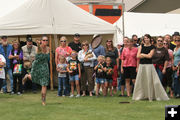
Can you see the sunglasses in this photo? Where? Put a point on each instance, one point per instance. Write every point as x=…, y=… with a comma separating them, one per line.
x=73, y=54
x=109, y=41
x=160, y=41
x=63, y=41
x=165, y=43
x=44, y=40
x=177, y=40
x=85, y=45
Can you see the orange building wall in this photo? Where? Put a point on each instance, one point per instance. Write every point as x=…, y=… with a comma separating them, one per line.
x=110, y=19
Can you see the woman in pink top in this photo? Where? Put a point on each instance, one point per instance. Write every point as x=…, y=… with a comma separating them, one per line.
x=129, y=64
x=62, y=50
x=167, y=79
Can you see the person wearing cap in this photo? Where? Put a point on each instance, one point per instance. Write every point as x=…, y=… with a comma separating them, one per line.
x=75, y=45
x=29, y=52
x=5, y=50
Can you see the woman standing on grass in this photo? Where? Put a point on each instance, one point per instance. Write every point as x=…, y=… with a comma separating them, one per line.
x=148, y=85
x=40, y=69
x=129, y=63
x=112, y=52
x=168, y=77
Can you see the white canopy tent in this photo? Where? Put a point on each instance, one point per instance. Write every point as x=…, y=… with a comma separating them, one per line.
x=52, y=17
x=151, y=23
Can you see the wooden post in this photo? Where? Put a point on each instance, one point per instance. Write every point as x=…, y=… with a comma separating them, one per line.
x=51, y=66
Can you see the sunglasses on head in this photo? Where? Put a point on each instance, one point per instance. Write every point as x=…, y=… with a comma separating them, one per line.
x=73, y=54
x=63, y=41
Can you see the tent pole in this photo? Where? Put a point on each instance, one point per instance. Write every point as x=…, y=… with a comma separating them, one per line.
x=51, y=66
x=123, y=18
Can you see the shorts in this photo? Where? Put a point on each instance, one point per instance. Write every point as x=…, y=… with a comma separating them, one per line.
x=100, y=80
x=109, y=80
x=73, y=78
x=129, y=72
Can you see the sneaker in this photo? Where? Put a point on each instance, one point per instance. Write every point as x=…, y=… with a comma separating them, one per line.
x=19, y=93
x=78, y=95
x=71, y=96
x=12, y=93
x=63, y=95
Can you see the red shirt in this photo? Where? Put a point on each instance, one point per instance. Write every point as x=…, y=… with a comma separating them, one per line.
x=129, y=56
x=63, y=52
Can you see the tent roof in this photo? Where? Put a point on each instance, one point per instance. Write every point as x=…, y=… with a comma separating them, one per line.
x=52, y=17
x=143, y=23
x=177, y=11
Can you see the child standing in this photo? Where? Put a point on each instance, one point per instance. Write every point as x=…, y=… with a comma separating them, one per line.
x=62, y=69
x=2, y=71
x=108, y=69
x=100, y=80
x=74, y=73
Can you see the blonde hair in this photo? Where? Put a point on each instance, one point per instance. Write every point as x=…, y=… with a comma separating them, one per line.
x=101, y=57
x=63, y=38
x=62, y=58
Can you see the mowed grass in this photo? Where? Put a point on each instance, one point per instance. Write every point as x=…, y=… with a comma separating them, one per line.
x=28, y=107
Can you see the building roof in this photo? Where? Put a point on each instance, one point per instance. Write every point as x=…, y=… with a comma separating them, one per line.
x=129, y=4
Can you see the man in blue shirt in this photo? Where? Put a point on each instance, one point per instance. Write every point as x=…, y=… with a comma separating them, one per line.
x=5, y=50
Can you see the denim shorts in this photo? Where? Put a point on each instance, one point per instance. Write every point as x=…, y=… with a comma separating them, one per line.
x=109, y=80
x=73, y=78
x=100, y=80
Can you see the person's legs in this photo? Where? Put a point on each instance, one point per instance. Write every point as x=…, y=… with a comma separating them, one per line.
x=97, y=89
x=114, y=76
x=106, y=88
x=43, y=93
x=83, y=82
x=59, y=86
x=90, y=80
x=110, y=88
x=14, y=84
x=1, y=83
x=20, y=84
x=77, y=84
x=72, y=87
x=122, y=85
x=9, y=71
x=64, y=86
x=159, y=74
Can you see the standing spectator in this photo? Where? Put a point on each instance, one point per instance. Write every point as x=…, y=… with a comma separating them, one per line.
x=160, y=58
x=29, y=52
x=2, y=71
x=168, y=76
x=129, y=65
x=108, y=69
x=40, y=69
x=75, y=45
x=176, y=59
x=168, y=38
x=62, y=70
x=16, y=57
x=5, y=50
x=119, y=48
x=74, y=73
x=63, y=50
x=148, y=85
x=100, y=76
x=125, y=45
x=87, y=57
x=97, y=48
x=135, y=40
x=112, y=52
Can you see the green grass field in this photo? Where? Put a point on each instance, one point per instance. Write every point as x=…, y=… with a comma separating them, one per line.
x=28, y=107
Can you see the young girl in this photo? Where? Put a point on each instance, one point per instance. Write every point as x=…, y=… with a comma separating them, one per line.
x=108, y=69
x=74, y=73
x=62, y=69
x=100, y=74
x=2, y=71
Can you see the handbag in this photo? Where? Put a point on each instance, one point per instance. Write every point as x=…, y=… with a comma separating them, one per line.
x=17, y=70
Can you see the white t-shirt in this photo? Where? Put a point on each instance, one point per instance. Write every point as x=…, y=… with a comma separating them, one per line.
x=2, y=71
x=63, y=68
